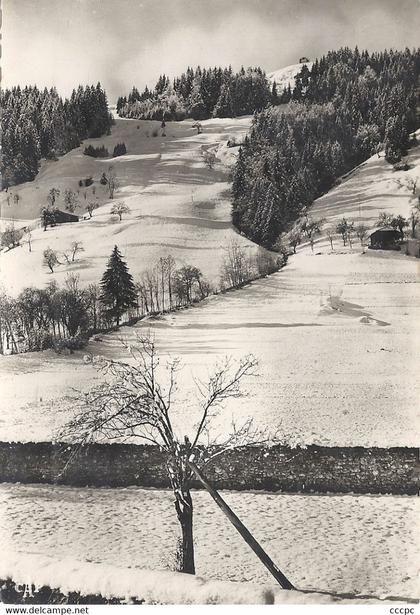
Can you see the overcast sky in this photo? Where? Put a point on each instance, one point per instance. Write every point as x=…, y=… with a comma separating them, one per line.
x=126, y=42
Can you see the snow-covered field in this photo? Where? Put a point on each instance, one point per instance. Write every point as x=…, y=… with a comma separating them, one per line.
x=355, y=544
x=346, y=376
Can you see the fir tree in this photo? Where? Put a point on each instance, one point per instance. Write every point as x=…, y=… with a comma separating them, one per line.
x=118, y=289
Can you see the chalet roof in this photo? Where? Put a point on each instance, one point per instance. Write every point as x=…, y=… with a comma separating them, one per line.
x=383, y=229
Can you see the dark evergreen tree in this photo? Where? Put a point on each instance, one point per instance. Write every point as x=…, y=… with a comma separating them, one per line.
x=345, y=108
x=118, y=292
x=39, y=124
x=200, y=94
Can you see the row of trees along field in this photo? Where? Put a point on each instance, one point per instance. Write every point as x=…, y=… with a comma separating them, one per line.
x=201, y=94
x=64, y=317
x=40, y=124
x=349, y=106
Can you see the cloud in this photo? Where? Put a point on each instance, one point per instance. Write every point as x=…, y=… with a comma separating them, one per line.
x=126, y=42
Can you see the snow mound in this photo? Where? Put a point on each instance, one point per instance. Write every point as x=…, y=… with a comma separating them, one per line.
x=286, y=76
x=151, y=586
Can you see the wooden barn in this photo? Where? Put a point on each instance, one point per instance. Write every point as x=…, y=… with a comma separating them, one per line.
x=64, y=216
x=385, y=239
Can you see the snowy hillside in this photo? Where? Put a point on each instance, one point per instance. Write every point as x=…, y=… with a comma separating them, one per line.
x=349, y=319
x=286, y=76
x=178, y=205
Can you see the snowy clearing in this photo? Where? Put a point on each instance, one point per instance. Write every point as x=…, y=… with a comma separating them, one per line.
x=355, y=544
x=286, y=76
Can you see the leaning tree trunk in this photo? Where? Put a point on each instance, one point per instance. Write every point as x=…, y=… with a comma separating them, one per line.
x=184, y=511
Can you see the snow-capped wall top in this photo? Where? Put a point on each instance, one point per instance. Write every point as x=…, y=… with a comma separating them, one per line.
x=286, y=76
x=152, y=586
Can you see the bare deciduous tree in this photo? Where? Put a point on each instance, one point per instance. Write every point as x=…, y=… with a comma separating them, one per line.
x=51, y=259
x=169, y=269
x=294, y=237
x=188, y=282
x=311, y=228
x=342, y=228
x=120, y=208
x=330, y=232
x=67, y=256
x=111, y=181
x=76, y=247
x=11, y=236
x=28, y=234
x=134, y=402
x=209, y=159
x=414, y=220
x=361, y=232
x=90, y=208
x=408, y=182
x=93, y=304
x=385, y=219
x=71, y=200
x=236, y=266
x=53, y=195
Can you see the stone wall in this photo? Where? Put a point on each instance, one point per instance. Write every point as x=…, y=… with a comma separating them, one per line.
x=312, y=469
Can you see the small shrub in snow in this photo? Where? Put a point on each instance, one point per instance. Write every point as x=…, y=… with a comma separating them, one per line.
x=401, y=166
x=209, y=159
x=70, y=344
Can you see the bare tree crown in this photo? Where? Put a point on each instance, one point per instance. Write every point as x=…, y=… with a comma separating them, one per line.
x=132, y=403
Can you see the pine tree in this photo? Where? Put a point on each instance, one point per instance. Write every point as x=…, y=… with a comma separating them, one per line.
x=274, y=94
x=224, y=105
x=196, y=107
x=118, y=290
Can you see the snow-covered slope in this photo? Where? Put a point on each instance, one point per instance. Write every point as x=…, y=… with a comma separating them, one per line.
x=178, y=206
x=286, y=76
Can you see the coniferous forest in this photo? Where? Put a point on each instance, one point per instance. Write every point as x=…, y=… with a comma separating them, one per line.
x=201, y=94
x=350, y=105
x=40, y=124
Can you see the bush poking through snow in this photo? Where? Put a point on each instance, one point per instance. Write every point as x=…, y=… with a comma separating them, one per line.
x=209, y=159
